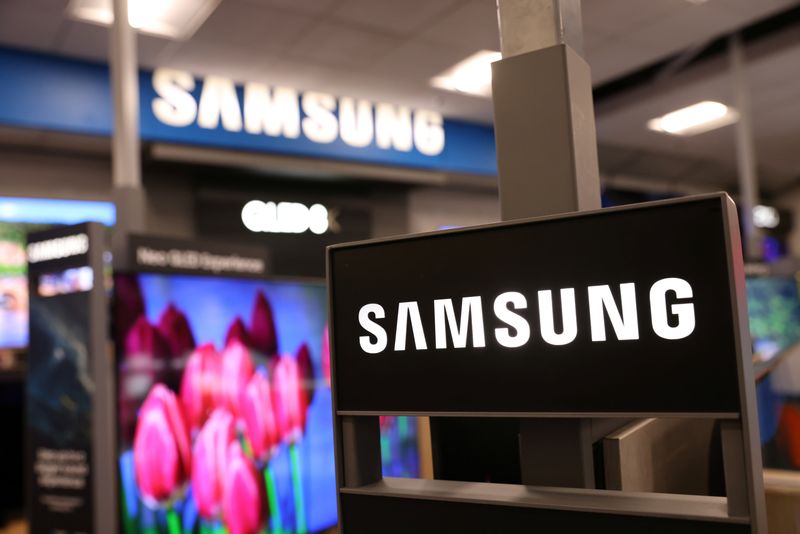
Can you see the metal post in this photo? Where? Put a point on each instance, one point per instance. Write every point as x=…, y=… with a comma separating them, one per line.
x=544, y=114
x=745, y=150
x=547, y=160
x=125, y=149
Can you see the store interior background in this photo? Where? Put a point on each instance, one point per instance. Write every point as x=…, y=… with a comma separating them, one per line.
x=647, y=58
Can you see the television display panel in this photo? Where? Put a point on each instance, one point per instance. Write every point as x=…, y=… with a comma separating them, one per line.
x=224, y=405
x=774, y=316
x=14, y=284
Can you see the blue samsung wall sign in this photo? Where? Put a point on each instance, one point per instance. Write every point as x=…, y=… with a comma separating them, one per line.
x=45, y=92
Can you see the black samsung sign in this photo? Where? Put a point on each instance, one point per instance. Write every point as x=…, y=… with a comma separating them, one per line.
x=625, y=311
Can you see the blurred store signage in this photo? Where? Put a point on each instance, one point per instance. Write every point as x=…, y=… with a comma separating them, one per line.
x=67, y=95
x=58, y=248
x=160, y=254
x=281, y=111
x=286, y=217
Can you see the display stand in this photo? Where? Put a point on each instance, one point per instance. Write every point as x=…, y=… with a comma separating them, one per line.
x=70, y=401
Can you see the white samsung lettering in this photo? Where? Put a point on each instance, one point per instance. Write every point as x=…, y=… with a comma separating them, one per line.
x=58, y=248
x=355, y=122
x=625, y=324
x=514, y=320
x=273, y=112
x=393, y=127
x=569, y=329
x=218, y=100
x=670, y=321
x=283, y=112
x=175, y=105
x=409, y=311
x=684, y=311
x=320, y=124
x=471, y=320
x=367, y=345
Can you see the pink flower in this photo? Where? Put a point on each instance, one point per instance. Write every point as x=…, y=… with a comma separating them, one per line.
x=289, y=399
x=237, y=368
x=244, y=503
x=261, y=427
x=210, y=459
x=201, y=386
x=174, y=326
x=161, y=450
x=144, y=340
x=262, y=327
x=306, y=367
x=326, y=356
x=238, y=332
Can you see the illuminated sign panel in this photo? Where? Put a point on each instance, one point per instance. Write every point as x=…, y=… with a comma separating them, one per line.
x=283, y=112
x=626, y=310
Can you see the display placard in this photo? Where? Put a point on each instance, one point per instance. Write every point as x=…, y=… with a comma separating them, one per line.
x=68, y=386
x=619, y=311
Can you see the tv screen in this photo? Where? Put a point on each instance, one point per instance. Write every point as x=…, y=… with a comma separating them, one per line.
x=14, y=284
x=224, y=407
x=774, y=313
x=774, y=316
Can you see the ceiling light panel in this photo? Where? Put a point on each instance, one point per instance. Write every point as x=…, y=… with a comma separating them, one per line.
x=472, y=76
x=171, y=19
x=695, y=119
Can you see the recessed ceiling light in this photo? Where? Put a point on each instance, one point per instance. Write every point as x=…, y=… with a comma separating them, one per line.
x=472, y=76
x=172, y=19
x=694, y=119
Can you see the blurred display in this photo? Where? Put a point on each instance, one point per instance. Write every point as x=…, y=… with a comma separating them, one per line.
x=774, y=313
x=225, y=415
x=14, y=284
x=18, y=217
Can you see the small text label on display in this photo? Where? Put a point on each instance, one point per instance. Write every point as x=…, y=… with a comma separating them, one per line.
x=284, y=112
x=58, y=248
x=287, y=217
x=672, y=316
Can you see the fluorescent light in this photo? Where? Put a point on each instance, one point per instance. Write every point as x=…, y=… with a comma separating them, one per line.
x=472, y=76
x=695, y=119
x=56, y=211
x=766, y=217
x=172, y=19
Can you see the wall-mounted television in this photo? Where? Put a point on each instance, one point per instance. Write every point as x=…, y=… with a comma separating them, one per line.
x=224, y=406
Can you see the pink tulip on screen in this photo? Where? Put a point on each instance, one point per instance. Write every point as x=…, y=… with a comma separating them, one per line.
x=210, y=460
x=143, y=339
x=174, y=326
x=261, y=427
x=244, y=502
x=201, y=385
x=161, y=447
x=289, y=399
x=237, y=368
x=262, y=327
x=326, y=356
x=238, y=332
x=306, y=366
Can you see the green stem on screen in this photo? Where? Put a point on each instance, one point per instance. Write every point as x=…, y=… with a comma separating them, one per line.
x=297, y=486
x=173, y=522
x=130, y=524
x=272, y=496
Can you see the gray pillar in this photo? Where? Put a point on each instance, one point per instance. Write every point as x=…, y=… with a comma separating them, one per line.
x=127, y=193
x=547, y=162
x=543, y=109
x=745, y=151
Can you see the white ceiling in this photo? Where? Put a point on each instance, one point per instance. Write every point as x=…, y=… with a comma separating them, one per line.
x=389, y=49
